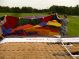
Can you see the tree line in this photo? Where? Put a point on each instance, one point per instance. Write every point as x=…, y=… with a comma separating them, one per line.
x=59, y=9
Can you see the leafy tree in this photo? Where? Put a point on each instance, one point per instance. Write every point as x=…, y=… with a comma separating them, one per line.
x=59, y=9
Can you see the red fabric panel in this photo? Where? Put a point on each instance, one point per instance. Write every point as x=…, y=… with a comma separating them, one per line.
x=22, y=27
x=48, y=18
x=11, y=22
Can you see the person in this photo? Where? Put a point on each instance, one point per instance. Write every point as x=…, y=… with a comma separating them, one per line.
x=55, y=17
x=64, y=21
x=1, y=24
x=63, y=28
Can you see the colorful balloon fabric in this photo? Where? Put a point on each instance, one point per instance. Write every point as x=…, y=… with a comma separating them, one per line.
x=11, y=22
x=30, y=25
x=54, y=23
x=22, y=27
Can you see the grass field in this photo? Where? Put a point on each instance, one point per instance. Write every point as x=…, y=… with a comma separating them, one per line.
x=23, y=14
x=73, y=25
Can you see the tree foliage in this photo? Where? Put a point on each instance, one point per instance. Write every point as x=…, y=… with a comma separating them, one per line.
x=59, y=9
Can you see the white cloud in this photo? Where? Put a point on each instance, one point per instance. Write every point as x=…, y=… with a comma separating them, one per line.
x=38, y=3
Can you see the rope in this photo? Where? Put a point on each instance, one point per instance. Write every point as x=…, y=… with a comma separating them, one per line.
x=67, y=49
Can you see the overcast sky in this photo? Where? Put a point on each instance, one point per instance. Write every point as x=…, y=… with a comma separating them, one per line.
x=39, y=4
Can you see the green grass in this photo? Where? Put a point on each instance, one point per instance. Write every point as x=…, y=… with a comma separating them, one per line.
x=23, y=14
x=73, y=25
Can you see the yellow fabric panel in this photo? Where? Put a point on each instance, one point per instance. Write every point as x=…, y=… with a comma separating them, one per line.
x=54, y=23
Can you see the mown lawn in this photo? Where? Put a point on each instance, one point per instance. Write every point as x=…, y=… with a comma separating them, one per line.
x=73, y=25
x=23, y=14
